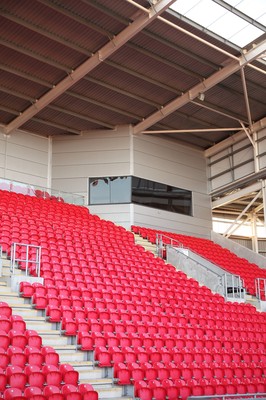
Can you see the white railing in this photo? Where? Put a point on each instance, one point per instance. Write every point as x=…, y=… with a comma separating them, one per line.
x=41, y=192
x=28, y=256
x=232, y=287
x=260, y=284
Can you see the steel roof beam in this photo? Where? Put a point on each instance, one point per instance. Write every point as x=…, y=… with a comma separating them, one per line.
x=44, y=32
x=67, y=129
x=39, y=57
x=24, y=75
x=49, y=123
x=81, y=116
x=232, y=67
x=106, y=51
x=76, y=47
x=231, y=198
x=106, y=106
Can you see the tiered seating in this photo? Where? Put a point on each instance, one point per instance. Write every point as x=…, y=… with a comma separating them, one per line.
x=213, y=252
x=30, y=370
x=158, y=329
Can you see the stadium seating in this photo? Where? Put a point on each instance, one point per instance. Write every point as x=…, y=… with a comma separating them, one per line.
x=158, y=329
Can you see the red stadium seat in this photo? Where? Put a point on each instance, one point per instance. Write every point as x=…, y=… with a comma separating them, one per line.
x=71, y=392
x=3, y=380
x=52, y=374
x=16, y=377
x=5, y=309
x=5, y=323
x=52, y=393
x=16, y=356
x=88, y=392
x=4, y=340
x=69, y=375
x=143, y=391
x=122, y=374
x=35, y=376
x=33, y=393
x=13, y=394
x=17, y=339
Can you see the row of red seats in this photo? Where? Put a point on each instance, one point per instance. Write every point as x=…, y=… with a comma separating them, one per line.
x=133, y=371
x=51, y=392
x=32, y=375
x=195, y=345
x=29, y=355
x=114, y=354
x=12, y=322
x=96, y=288
x=178, y=389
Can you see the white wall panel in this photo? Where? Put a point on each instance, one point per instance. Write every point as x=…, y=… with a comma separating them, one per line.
x=120, y=214
x=243, y=155
x=244, y=170
x=165, y=161
x=232, y=163
x=221, y=180
x=262, y=162
x=185, y=167
x=220, y=167
x=171, y=222
x=24, y=158
x=98, y=153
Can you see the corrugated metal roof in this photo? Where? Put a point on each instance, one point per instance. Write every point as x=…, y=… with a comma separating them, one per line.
x=43, y=42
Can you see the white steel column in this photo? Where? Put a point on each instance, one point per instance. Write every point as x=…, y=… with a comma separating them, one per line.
x=254, y=237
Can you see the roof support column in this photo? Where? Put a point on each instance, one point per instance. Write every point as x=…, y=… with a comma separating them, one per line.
x=254, y=237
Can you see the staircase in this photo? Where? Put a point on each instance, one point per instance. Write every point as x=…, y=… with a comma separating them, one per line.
x=82, y=361
x=145, y=243
x=152, y=248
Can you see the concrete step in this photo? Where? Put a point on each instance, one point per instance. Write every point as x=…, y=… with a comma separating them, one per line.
x=87, y=370
x=69, y=357
x=6, y=262
x=106, y=389
x=12, y=298
x=87, y=367
x=54, y=339
x=6, y=271
x=145, y=243
x=28, y=313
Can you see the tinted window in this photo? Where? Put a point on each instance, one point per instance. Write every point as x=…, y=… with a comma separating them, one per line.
x=127, y=189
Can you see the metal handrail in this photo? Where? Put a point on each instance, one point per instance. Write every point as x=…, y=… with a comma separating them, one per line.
x=223, y=278
x=27, y=260
x=260, y=291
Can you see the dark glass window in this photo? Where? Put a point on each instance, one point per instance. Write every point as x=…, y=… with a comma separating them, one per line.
x=110, y=190
x=161, y=196
x=127, y=189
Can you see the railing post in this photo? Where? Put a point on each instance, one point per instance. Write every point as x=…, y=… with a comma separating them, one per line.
x=35, y=261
